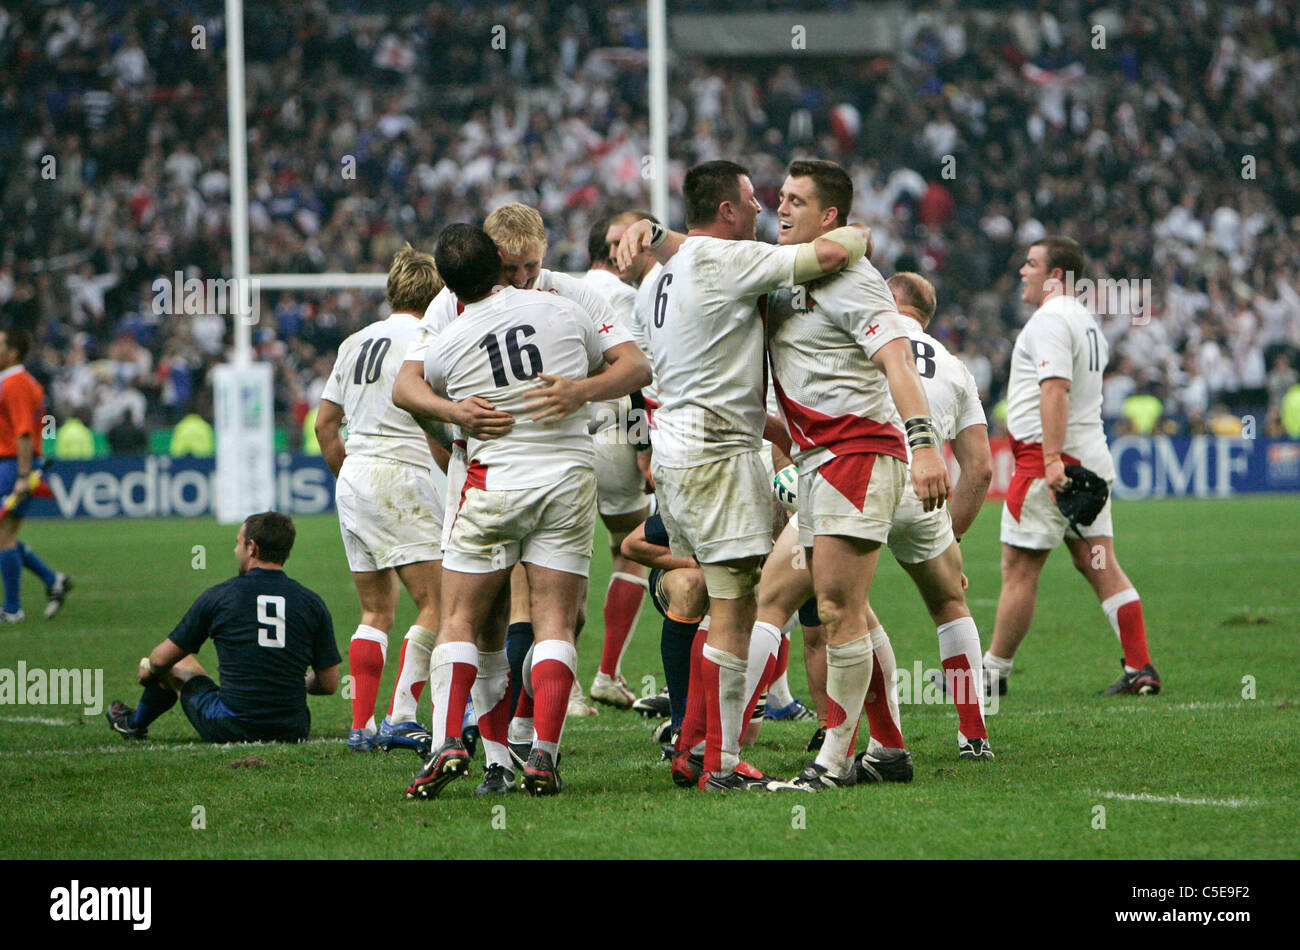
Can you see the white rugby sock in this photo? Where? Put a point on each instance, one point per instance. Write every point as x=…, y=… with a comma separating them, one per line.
x=444, y=675
x=959, y=653
x=848, y=674
x=417, y=649
x=764, y=641
x=488, y=693
x=731, y=707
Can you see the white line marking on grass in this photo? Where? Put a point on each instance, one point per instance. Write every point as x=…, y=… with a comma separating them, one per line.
x=1179, y=800
x=157, y=747
x=37, y=720
x=1142, y=705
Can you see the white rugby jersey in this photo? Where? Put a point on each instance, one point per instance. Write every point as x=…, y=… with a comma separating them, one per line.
x=1062, y=340
x=638, y=324
x=362, y=383
x=495, y=349
x=620, y=297
x=706, y=341
x=444, y=308
x=949, y=386
x=835, y=400
x=622, y=301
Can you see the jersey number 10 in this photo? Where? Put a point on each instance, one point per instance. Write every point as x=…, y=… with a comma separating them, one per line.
x=377, y=350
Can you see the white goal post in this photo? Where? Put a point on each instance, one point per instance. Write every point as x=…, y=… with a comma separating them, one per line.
x=243, y=390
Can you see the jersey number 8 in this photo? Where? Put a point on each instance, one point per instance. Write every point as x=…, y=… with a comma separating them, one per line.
x=924, y=354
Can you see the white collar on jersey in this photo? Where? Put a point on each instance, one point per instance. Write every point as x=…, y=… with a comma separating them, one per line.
x=908, y=318
x=12, y=370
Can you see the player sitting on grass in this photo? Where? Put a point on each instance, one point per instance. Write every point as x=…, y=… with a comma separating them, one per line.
x=267, y=629
x=678, y=592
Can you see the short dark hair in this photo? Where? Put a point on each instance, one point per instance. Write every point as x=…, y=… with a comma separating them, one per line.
x=17, y=338
x=273, y=533
x=707, y=185
x=832, y=183
x=597, y=249
x=629, y=216
x=1063, y=252
x=468, y=261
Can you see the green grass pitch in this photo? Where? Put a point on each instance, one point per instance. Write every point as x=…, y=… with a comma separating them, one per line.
x=1200, y=771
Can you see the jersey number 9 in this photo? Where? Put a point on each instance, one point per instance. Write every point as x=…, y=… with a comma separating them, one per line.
x=270, y=610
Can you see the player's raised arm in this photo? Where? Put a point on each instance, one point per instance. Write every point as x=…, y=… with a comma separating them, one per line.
x=829, y=254
x=929, y=474
x=646, y=235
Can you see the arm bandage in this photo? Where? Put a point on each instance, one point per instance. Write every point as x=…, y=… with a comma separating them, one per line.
x=806, y=265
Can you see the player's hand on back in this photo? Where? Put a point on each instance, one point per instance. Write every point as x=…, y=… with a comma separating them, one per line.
x=557, y=398
x=481, y=420
x=930, y=478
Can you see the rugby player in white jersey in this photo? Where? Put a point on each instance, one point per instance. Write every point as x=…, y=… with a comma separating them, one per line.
x=520, y=236
x=925, y=542
x=528, y=496
x=1054, y=419
x=618, y=428
x=389, y=510
x=844, y=373
x=714, y=491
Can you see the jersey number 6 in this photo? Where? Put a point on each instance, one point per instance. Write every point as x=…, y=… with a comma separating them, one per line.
x=661, y=300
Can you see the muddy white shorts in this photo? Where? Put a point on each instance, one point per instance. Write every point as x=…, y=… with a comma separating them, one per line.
x=719, y=511
x=551, y=526
x=851, y=496
x=389, y=513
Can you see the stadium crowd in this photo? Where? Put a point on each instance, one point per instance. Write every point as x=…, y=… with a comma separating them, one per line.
x=1168, y=143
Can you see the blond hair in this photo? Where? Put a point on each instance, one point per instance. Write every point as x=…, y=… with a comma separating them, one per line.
x=516, y=229
x=413, y=281
x=914, y=291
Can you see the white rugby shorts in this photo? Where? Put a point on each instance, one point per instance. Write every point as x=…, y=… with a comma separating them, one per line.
x=551, y=526
x=389, y=513
x=719, y=511
x=1039, y=525
x=851, y=496
x=619, y=483
x=917, y=535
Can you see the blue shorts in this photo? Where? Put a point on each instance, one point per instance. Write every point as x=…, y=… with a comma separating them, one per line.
x=214, y=722
x=9, y=478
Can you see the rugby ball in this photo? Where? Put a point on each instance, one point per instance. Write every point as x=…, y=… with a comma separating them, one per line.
x=786, y=487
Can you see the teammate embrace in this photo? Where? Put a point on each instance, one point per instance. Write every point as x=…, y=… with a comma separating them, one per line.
x=864, y=399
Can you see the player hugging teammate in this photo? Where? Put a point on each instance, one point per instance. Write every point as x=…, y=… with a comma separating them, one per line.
x=527, y=365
